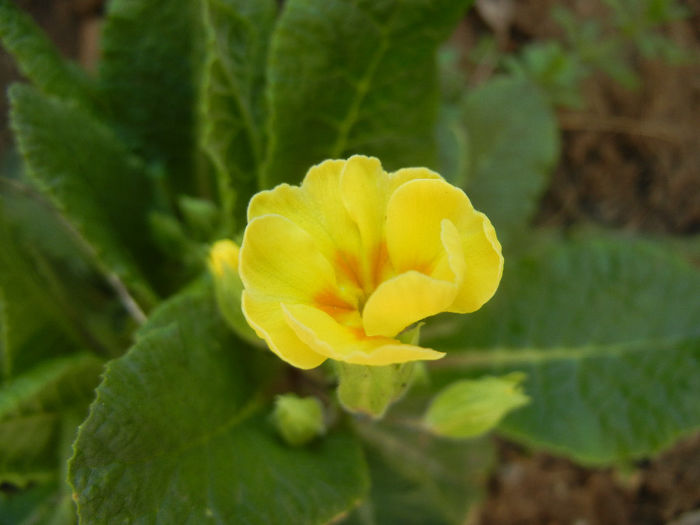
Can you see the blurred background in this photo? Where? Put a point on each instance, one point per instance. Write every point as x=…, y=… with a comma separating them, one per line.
x=624, y=78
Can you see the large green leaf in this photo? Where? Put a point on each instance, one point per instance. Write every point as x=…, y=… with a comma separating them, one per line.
x=418, y=478
x=354, y=77
x=37, y=57
x=149, y=77
x=178, y=431
x=608, y=335
x=238, y=33
x=33, y=407
x=512, y=148
x=90, y=177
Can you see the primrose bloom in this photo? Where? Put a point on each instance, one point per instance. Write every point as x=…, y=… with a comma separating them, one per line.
x=339, y=266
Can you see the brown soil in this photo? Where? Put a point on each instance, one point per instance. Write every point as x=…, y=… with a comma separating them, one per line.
x=629, y=160
x=544, y=490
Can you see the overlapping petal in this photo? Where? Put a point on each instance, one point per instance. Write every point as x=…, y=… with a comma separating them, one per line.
x=266, y=317
x=338, y=266
x=326, y=336
x=280, y=259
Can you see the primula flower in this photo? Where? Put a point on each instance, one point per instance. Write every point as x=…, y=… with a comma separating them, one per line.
x=339, y=266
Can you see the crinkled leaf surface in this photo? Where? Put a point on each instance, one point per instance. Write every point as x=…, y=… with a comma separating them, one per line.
x=90, y=177
x=607, y=334
x=512, y=148
x=37, y=57
x=354, y=77
x=151, y=60
x=179, y=433
x=238, y=32
x=418, y=478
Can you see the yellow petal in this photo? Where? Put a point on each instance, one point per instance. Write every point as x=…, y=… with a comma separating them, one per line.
x=414, y=222
x=327, y=337
x=484, y=266
x=317, y=208
x=405, y=299
x=265, y=316
x=365, y=189
x=404, y=175
x=279, y=259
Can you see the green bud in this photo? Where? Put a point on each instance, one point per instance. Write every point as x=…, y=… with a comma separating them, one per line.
x=471, y=407
x=201, y=215
x=298, y=419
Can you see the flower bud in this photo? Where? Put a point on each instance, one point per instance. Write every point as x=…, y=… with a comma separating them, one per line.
x=298, y=419
x=471, y=407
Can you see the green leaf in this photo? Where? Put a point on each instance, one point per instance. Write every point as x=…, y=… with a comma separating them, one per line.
x=354, y=77
x=37, y=57
x=90, y=177
x=149, y=77
x=470, y=407
x=238, y=32
x=179, y=431
x=513, y=146
x=607, y=334
x=33, y=407
x=34, y=323
x=418, y=478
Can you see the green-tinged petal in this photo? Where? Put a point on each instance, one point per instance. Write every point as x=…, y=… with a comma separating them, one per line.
x=484, y=267
x=265, y=316
x=279, y=259
x=326, y=336
x=405, y=299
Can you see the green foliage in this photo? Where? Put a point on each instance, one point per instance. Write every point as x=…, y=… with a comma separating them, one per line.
x=178, y=430
x=32, y=410
x=37, y=57
x=607, y=334
x=148, y=82
x=238, y=33
x=512, y=147
x=607, y=45
x=418, y=478
x=90, y=177
x=341, y=76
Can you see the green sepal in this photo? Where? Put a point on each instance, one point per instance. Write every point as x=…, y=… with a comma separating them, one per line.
x=369, y=390
x=471, y=407
x=228, y=288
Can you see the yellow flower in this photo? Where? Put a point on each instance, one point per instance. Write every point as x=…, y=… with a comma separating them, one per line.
x=339, y=266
